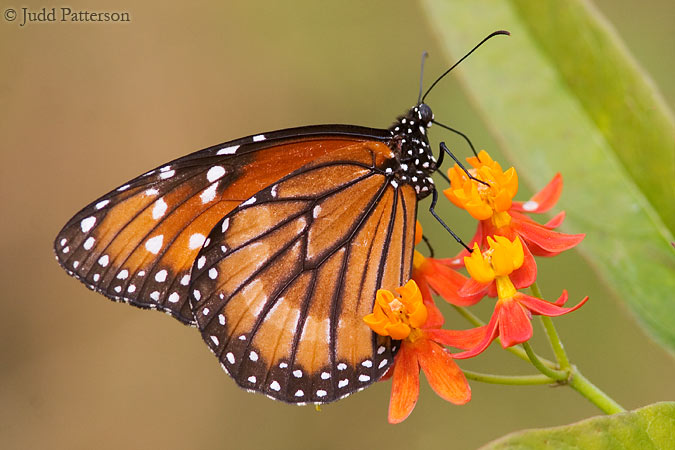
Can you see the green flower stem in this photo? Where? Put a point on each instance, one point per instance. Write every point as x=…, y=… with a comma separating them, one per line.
x=514, y=380
x=557, y=375
x=516, y=350
x=552, y=333
x=468, y=315
x=583, y=386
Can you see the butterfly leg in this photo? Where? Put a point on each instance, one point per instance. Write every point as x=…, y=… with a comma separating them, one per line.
x=445, y=150
x=432, y=210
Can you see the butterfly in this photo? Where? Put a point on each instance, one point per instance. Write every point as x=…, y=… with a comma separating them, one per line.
x=272, y=245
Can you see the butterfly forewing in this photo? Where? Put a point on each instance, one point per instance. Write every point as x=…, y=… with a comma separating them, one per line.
x=139, y=242
x=283, y=282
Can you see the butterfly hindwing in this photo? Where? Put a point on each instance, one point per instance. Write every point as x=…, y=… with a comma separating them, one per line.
x=283, y=282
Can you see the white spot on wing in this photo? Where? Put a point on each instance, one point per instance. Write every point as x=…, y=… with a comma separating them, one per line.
x=227, y=150
x=221, y=319
x=252, y=379
x=154, y=244
x=102, y=204
x=89, y=243
x=250, y=201
x=253, y=356
x=343, y=383
x=226, y=224
x=168, y=174
x=215, y=173
x=325, y=375
x=297, y=373
x=230, y=357
x=209, y=194
x=258, y=138
x=196, y=241
x=299, y=393
x=185, y=280
x=123, y=188
x=150, y=192
x=123, y=274
x=201, y=261
x=160, y=276
x=104, y=260
x=154, y=295
x=159, y=209
x=321, y=393
x=342, y=366
x=275, y=386
x=87, y=224
x=213, y=273
x=364, y=378
x=215, y=340
x=174, y=297
x=382, y=363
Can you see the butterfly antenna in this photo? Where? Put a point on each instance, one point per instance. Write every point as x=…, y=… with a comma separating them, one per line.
x=424, y=57
x=491, y=35
x=473, y=149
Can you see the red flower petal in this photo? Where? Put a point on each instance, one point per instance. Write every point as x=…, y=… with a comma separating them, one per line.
x=435, y=318
x=544, y=308
x=405, y=385
x=550, y=241
x=491, y=331
x=514, y=323
x=543, y=200
x=464, y=339
x=470, y=292
x=443, y=374
x=527, y=273
x=556, y=221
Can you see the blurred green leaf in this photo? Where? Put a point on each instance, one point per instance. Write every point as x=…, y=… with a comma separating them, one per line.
x=563, y=95
x=647, y=428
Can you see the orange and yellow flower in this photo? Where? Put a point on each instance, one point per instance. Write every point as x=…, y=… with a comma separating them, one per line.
x=511, y=317
x=413, y=318
x=492, y=204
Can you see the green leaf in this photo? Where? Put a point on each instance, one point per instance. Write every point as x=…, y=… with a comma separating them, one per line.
x=563, y=95
x=647, y=428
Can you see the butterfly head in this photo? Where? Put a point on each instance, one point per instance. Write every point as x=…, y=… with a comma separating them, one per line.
x=416, y=159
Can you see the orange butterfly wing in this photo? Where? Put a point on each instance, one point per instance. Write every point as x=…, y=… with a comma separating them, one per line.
x=280, y=289
x=138, y=243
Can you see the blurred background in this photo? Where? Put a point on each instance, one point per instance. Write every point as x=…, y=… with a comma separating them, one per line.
x=86, y=106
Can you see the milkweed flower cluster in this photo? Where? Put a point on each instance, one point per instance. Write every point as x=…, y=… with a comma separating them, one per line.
x=501, y=262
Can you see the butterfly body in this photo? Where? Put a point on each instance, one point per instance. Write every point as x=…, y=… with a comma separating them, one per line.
x=272, y=245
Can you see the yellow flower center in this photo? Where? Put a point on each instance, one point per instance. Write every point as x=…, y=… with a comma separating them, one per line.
x=398, y=317
x=491, y=201
x=498, y=261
